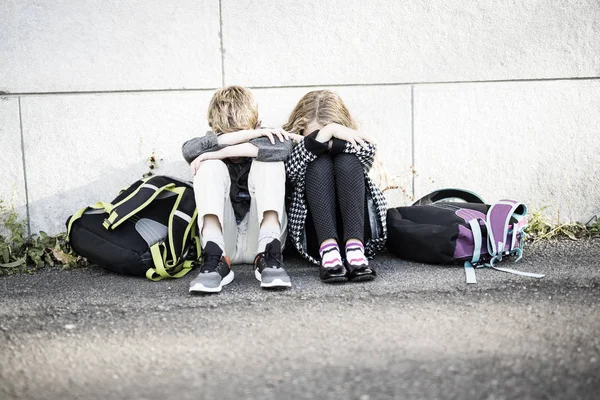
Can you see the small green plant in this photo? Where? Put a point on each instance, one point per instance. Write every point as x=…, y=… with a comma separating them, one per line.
x=20, y=252
x=539, y=229
x=594, y=225
x=537, y=225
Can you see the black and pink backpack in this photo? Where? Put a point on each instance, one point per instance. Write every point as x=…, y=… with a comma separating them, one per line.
x=452, y=226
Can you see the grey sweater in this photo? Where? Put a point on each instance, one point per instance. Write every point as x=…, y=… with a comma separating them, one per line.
x=266, y=151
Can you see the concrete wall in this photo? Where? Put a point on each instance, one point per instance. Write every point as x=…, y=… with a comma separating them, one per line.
x=501, y=97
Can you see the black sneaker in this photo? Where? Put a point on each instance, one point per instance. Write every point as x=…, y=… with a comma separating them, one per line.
x=215, y=271
x=268, y=267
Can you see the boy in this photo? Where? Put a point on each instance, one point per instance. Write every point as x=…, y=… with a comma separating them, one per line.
x=239, y=186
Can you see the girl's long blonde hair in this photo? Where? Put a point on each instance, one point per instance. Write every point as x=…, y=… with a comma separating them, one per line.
x=327, y=107
x=322, y=106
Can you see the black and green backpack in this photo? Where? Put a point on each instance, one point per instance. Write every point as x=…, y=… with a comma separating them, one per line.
x=149, y=230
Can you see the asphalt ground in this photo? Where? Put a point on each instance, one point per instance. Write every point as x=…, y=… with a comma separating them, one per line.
x=416, y=332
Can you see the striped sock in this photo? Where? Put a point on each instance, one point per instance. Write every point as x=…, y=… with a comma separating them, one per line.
x=330, y=255
x=355, y=254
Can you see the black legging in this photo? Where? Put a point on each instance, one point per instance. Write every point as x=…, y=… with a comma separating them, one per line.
x=332, y=181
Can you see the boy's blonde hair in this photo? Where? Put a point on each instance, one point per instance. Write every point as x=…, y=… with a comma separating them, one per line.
x=322, y=106
x=232, y=108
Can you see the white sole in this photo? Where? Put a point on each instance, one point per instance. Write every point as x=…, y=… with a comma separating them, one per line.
x=275, y=283
x=198, y=287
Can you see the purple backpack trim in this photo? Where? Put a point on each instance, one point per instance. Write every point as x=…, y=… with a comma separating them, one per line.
x=503, y=238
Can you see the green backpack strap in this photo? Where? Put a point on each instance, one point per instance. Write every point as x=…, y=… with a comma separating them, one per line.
x=98, y=206
x=160, y=271
x=101, y=205
x=170, y=257
x=146, y=191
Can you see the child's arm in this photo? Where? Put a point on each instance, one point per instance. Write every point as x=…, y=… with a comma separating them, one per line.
x=271, y=152
x=355, y=137
x=270, y=148
x=244, y=136
x=347, y=140
x=195, y=147
x=237, y=150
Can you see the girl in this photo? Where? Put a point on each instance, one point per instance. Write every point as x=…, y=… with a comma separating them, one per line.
x=334, y=202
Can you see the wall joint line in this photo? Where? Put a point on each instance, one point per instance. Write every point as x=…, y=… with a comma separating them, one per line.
x=221, y=40
x=412, y=135
x=24, y=170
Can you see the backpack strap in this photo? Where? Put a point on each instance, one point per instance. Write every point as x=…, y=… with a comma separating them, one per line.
x=500, y=230
x=99, y=206
x=160, y=270
x=477, y=239
x=477, y=245
x=498, y=218
x=182, y=238
x=470, y=272
x=143, y=195
x=516, y=272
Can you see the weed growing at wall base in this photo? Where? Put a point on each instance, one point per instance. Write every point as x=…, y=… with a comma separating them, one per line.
x=20, y=252
x=539, y=229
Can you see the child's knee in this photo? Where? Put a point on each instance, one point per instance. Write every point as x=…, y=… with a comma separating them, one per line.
x=347, y=163
x=210, y=169
x=346, y=158
x=212, y=164
x=273, y=172
x=267, y=166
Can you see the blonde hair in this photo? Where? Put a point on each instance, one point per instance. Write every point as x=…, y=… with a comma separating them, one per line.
x=322, y=106
x=232, y=108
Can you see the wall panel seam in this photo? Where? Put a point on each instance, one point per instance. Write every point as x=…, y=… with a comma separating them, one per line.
x=24, y=170
x=425, y=83
x=412, y=135
x=221, y=40
x=17, y=94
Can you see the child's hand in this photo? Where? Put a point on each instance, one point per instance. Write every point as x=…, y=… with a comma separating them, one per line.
x=295, y=137
x=202, y=157
x=211, y=155
x=235, y=151
x=355, y=138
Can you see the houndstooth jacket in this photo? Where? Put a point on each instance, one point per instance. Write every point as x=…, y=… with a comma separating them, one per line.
x=295, y=169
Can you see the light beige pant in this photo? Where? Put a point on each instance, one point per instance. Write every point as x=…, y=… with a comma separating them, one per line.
x=266, y=184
